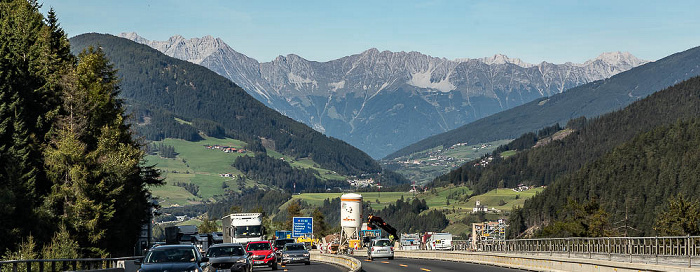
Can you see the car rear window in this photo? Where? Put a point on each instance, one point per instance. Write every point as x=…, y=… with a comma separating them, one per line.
x=258, y=246
x=382, y=243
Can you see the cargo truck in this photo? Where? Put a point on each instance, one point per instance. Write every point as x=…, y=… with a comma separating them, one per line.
x=243, y=228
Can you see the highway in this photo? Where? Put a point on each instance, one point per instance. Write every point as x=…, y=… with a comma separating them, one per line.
x=314, y=267
x=416, y=265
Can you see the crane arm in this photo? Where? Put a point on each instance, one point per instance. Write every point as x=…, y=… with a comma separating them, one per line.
x=378, y=221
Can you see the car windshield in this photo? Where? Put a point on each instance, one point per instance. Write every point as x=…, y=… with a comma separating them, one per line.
x=225, y=251
x=258, y=246
x=294, y=247
x=382, y=243
x=248, y=231
x=170, y=255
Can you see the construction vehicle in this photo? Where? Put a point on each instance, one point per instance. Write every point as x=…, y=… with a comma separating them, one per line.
x=375, y=221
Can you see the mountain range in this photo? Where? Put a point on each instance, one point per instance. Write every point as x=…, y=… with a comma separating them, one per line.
x=589, y=100
x=381, y=101
x=165, y=93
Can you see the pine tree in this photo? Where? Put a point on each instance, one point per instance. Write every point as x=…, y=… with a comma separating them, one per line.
x=28, y=102
x=681, y=217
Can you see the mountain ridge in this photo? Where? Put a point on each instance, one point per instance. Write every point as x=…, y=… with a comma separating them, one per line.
x=191, y=92
x=380, y=101
x=587, y=100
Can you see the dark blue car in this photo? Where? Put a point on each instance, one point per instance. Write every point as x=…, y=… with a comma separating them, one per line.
x=173, y=258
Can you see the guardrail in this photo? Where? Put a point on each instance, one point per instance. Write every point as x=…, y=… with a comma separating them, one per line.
x=63, y=264
x=677, y=247
x=537, y=263
x=352, y=264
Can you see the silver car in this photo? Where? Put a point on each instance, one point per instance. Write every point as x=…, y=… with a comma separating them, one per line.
x=380, y=248
x=295, y=253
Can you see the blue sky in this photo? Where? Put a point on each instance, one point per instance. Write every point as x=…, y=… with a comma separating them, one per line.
x=535, y=31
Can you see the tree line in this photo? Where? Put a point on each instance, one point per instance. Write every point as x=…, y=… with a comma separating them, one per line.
x=278, y=173
x=543, y=165
x=69, y=166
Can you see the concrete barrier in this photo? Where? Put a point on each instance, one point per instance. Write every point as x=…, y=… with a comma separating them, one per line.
x=352, y=264
x=536, y=263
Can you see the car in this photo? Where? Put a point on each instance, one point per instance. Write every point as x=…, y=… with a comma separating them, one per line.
x=262, y=254
x=380, y=248
x=279, y=245
x=295, y=253
x=217, y=237
x=228, y=257
x=172, y=258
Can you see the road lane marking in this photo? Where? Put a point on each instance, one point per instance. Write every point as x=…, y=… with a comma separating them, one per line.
x=425, y=269
x=385, y=262
x=403, y=265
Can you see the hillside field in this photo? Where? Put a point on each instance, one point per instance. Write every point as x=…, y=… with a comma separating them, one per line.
x=203, y=167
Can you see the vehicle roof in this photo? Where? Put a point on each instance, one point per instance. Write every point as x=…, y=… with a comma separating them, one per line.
x=294, y=244
x=226, y=245
x=258, y=242
x=174, y=246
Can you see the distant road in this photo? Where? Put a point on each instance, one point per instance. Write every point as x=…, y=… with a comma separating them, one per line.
x=416, y=265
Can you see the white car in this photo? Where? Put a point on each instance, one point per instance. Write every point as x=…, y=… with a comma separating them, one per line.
x=380, y=248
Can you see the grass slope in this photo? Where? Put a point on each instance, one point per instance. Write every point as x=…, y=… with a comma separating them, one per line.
x=201, y=166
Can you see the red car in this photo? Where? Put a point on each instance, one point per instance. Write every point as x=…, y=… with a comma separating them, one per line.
x=262, y=254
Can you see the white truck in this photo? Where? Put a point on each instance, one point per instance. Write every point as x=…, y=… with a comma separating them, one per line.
x=439, y=241
x=243, y=228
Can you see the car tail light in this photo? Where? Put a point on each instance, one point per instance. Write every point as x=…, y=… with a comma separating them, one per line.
x=392, y=248
x=372, y=249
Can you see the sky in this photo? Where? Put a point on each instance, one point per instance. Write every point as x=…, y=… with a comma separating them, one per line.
x=534, y=31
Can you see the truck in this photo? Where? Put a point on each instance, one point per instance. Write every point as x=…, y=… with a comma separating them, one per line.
x=243, y=228
x=180, y=234
x=439, y=241
x=410, y=241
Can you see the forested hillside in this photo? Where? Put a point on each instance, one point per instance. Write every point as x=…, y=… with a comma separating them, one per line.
x=588, y=100
x=543, y=165
x=632, y=184
x=160, y=85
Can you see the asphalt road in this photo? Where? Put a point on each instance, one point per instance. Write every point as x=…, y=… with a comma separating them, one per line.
x=314, y=267
x=417, y=265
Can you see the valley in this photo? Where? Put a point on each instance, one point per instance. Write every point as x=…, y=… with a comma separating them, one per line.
x=423, y=167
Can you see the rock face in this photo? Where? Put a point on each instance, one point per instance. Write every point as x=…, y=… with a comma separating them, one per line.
x=382, y=101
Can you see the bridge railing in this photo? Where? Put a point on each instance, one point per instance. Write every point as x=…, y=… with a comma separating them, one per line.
x=668, y=246
x=62, y=264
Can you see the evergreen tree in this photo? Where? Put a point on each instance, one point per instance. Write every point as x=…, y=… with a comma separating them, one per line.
x=293, y=210
x=682, y=217
x=320, y=226
x=31, y=65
